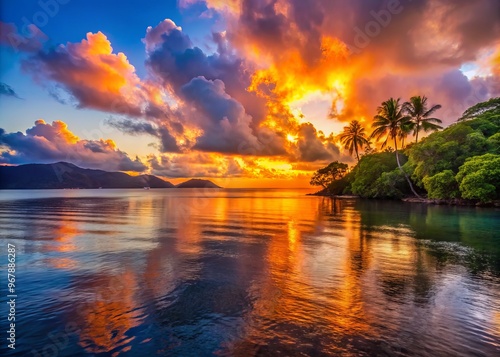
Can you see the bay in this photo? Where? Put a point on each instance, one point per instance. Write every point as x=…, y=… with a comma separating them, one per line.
x=247, y=272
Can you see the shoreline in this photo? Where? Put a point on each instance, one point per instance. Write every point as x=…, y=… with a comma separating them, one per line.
x=451, y=202
x=428, y=201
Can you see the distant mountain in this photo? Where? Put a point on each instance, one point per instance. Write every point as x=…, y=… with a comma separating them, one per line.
x=197, y=183
x=65, y=175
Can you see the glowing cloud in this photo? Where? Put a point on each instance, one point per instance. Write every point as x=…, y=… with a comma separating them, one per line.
x=90, y=71
x=48, y=143
x=241, y=109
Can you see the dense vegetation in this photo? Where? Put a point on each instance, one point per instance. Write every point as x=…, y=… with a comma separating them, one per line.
x=459, y=162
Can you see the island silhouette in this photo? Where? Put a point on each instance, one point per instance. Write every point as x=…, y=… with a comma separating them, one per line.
x=64, y=175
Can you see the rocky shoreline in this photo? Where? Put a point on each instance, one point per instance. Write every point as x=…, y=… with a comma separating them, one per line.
x=451, y=202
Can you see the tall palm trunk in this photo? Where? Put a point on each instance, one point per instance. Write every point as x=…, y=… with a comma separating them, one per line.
x=418, y=129
x=404, y=173
x=356, y=150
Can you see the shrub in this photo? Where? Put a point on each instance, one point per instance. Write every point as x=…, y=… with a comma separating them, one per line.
x=479, y=178
x=442, y=185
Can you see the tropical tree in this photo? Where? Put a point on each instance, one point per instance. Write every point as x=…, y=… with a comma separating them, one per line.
x=479, y=178
x=354, y=137
x=406, y=127
x=325, y=176
x=388, y=123
x=490, y=107
x=420, y=115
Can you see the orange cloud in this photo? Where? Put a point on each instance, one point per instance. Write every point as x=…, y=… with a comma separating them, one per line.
x=211, y=103
x=237, y=112
x=291, y=77
x=90, y=71
x=358, y=54
x=48, y=143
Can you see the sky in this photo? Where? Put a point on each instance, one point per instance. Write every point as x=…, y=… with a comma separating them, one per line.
x=247, y=93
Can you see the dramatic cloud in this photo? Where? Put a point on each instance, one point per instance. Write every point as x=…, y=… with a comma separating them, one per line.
x=343, y=47
x=175, y=61
x=225, y=124
x=216, y=108
x=241, y=105
x=312, y=148
x=228, y=115
x=90, y=71
x=47, y=143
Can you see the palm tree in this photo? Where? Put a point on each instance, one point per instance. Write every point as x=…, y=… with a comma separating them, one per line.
x=406, y=127
x=354, y=137
x=417, y=109
x=389, y=121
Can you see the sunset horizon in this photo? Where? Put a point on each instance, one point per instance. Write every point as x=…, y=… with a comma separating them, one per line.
x=250, y=178
x=229, y=91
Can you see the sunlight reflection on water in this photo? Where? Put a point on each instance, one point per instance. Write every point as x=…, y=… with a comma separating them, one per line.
x=251, y=272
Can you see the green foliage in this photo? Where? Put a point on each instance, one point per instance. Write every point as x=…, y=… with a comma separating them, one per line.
x=442, y=185
x=325, y=176
x=494, y=144
x=479, y=178
x=448, y=150
x=462, y=161
x=490, y=107
x=368, y=180
x=447, y=163
x=392, y=122
x=476, y=143
x=389, y=185
x=341, y=186
x=487, y=123
x=431, y=156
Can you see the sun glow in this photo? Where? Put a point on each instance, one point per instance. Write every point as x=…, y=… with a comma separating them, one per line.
x=292, y=138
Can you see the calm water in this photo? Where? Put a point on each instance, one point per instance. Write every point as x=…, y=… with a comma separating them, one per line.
x=248, y=273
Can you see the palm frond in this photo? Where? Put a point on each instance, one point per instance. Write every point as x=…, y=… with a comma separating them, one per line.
x=419, y=113
x=430, y=126
x=432, y=120
x=432, y=110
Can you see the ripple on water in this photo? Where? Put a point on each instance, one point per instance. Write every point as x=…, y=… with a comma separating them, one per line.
x=252, y=273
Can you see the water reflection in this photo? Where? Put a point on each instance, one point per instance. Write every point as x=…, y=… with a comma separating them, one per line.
x=108, y=313
x=242, y=272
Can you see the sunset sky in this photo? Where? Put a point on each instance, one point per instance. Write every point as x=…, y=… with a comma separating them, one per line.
x=247, y=93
